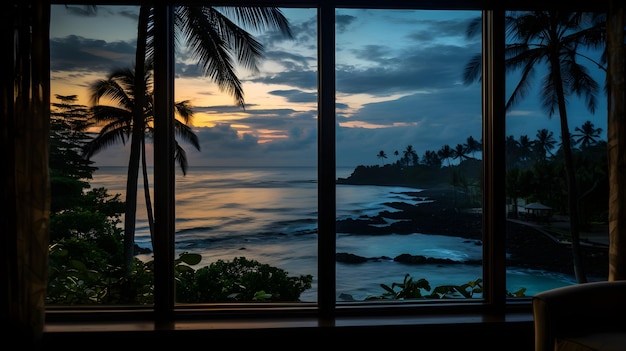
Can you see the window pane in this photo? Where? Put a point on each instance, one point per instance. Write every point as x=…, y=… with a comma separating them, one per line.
x=540, y=217
x=248, y=202
x=409, y=154
x=246, y=191
x=87, y=261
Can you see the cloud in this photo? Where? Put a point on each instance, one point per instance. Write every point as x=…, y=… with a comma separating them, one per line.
x=76, y=53
x=294, y=95
x=223, y=145
x=399, y=81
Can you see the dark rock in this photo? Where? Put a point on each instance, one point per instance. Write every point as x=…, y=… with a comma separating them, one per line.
x=419, y=259
x=526, y=246
x=349, y=258
x=141, y=250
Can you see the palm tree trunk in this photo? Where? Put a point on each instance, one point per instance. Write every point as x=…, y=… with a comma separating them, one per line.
x=570, y=174
x=137, y=137
x=616, y=136
x=131, y=200
x=146, y=191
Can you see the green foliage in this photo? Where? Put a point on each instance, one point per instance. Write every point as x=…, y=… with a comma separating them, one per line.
x=238, y=280
x=85, y=272
x=85, y=255
x=466, y=290
x=93, y=215
x=78, y=222
x=408, y=289
x=420, y=289
x=519, y=293
x=75, y=212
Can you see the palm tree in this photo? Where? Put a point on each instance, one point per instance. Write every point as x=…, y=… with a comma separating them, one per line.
x=587, y=135
x=431, y=158
x=382, y=155
x=118, y=123
x=460, y=153
x=472, y=145
x=544, y=143
x=553, y=38
x=409, y=156
x=446, y=153
x=216, y=41
x=525, y=148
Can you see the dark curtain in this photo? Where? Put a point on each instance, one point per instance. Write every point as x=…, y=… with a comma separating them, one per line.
x=25, y=105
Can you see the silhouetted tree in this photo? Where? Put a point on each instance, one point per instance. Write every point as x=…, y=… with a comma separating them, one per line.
x=587, y=135
x=118, y=123
x=544, y=143
x=554, y=38
x=382, y=155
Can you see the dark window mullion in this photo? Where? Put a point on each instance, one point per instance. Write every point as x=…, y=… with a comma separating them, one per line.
x=494, y=204
x=326, y=160
x=164, y=176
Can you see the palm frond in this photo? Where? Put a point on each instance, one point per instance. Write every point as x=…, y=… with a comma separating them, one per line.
x=473, y=69
x=474, y=27
x=180, y=156
x=117, y=87
x=549, y=96
x=185, y=132
x=184, y=111
x=524, y=84
x=103, y=141
x=108, y=114
x=209, y=45
x=259, y=18
x=247, y=49
x=581, y=83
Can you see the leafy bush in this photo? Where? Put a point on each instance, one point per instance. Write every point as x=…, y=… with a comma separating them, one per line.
x=84, y=272
x=238, y=280
x=420, y=289
x=95, y=277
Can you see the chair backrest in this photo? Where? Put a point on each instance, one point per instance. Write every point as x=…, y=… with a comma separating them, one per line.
x=580, y=308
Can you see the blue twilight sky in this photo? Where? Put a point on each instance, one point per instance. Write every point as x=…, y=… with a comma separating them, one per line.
x=399, y=83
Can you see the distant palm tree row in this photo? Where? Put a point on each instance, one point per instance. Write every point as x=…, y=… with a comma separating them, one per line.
x=435, y=158
x=519, y=152
x=524, y=150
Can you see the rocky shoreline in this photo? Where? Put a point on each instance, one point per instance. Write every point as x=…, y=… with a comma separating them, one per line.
x=526, y=245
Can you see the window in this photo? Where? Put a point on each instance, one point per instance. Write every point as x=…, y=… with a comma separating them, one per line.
x=354, y=123
x=409, y=159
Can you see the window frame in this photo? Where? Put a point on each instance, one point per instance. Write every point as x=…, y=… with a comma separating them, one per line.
x=494, y=299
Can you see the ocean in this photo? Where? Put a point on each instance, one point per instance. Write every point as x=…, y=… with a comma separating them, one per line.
x=270, y=215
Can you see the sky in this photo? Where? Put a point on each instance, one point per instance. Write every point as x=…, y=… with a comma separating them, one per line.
x=399, y=77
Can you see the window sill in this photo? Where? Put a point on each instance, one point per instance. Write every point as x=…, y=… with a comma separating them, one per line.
x=450, y=330
x=511, y=332
x=289, y=323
